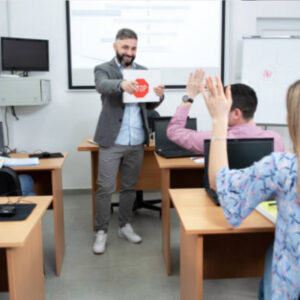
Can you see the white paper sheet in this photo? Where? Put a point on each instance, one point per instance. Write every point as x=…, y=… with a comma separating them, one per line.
x=16, y=162
x=147, y=79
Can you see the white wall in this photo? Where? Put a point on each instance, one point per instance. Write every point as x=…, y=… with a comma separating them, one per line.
x=3, y=32
x=243, y=22
x=3, y=17
x=61, y=125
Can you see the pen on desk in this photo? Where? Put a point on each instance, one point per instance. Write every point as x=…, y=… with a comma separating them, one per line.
x=196, y=157
x=92, y=142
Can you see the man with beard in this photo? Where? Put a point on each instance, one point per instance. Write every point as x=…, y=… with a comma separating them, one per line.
x=121, y=131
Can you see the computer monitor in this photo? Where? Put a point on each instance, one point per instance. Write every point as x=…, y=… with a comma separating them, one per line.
x=160, y=127
x=20, y=54
x=165, y=147
x=242, y=153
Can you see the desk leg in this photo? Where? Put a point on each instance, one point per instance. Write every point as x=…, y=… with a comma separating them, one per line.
x=191, y=266
x=94, y=175
x=58, y=214
x=165, y=218
x=25, y=268
x=3, y=271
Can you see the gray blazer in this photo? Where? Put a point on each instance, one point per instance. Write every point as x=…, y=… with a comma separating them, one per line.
x=107, y=79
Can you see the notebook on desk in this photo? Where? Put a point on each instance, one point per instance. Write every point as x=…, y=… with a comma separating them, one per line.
x=166, y=148
x=242, y=153
x=268, y=209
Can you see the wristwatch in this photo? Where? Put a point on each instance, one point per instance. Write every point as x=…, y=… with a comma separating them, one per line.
x=186, y=98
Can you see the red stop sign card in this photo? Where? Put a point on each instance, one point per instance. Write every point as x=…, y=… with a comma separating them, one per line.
x=146, y=80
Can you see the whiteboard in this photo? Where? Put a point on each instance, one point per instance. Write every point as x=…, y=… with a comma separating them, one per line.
x=270, y=66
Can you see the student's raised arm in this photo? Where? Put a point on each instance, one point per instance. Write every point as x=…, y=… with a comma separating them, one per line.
x=218, y=105
x=176, y=131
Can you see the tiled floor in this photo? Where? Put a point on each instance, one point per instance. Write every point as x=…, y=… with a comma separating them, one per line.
x=125, y=271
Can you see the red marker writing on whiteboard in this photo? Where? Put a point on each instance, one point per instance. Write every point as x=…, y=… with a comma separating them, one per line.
x=267, y=73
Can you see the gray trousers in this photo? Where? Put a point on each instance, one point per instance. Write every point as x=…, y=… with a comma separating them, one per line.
x=128, y=160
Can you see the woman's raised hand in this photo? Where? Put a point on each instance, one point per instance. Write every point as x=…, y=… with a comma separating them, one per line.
x=217, y=102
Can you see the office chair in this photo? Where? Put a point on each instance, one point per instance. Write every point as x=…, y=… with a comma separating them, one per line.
x=139, y=199
x=9, y=182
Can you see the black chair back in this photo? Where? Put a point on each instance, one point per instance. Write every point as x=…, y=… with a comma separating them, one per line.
x=151, y=116
x=9, y=182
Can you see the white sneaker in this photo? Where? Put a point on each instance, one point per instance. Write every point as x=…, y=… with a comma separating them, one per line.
x=100, y=242
x=127, y=233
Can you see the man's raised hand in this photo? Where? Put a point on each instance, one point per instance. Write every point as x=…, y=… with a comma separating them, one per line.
x=194, y=83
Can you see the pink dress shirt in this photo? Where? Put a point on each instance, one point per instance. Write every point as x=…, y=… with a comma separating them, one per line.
x=194, y=140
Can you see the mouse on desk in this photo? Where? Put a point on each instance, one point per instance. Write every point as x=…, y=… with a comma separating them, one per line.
x=7, y=210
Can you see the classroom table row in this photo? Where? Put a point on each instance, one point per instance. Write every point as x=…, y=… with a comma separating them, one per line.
x=21, y=252
x=21, y=260
x=157, y=174
x=209, y=246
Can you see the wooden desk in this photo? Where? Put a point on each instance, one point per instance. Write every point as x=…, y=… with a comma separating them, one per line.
x=21, y=253
x=149, y=179
x=47, y=178
x=175, y=172
x=211, y=248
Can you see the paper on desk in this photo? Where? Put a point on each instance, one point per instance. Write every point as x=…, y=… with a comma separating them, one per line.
x=198, y=159
x=17, y=162
x=2, y=159
x=268, y=209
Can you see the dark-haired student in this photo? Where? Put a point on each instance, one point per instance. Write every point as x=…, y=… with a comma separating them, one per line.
x=240, y=118
x=240, y=191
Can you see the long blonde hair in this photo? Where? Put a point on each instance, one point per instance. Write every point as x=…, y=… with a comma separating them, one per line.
x=293, y=118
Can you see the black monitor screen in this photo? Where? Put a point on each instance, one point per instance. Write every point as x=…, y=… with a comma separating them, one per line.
x=160, y=127
x=24, y=54
x=242, y=153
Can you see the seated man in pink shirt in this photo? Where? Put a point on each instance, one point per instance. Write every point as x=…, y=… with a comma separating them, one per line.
x=240, y=121
x=241, y=125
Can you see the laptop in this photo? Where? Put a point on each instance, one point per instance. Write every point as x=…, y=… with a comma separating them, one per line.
x=166, y=148
x=242, y=153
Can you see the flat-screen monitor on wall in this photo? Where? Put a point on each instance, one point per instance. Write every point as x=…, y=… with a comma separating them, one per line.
x=174, y=36
x=19, y=54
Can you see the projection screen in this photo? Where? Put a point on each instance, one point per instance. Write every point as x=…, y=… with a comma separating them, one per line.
x=175, y=37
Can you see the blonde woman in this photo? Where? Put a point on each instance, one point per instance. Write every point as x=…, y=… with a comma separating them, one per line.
x=240, y=191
